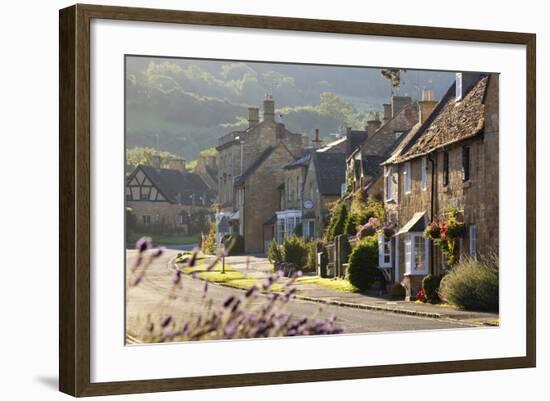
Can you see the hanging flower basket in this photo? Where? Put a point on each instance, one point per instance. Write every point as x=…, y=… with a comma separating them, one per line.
x=433, y=231
x=388, y=231
x=455, y=230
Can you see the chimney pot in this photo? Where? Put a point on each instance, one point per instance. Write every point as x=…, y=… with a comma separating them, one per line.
x=317, y=140
x=177, y=164
x=373, y=126
x=253, y=116
x=269, y=108
x=426, y=106
x=398, y=103
x=387, y=112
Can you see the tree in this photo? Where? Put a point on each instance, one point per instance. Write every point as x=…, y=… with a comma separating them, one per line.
x=393, y=75
x=144, y=155
x=337, y=221
x=334, y=106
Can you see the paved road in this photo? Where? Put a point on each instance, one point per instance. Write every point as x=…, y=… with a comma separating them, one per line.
x=150, y=297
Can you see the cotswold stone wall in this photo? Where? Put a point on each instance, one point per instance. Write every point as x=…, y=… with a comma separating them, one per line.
x=164, y=216
x=264, y=134
x=477, y=199
x=261, y=199
x=293, y=180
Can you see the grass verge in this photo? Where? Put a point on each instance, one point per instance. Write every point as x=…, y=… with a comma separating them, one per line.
x=231, y=277
x=337, y=284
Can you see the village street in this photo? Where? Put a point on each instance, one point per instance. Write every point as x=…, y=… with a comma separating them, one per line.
x=150, y=297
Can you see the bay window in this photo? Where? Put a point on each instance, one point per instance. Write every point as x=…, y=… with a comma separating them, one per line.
x=416, y=254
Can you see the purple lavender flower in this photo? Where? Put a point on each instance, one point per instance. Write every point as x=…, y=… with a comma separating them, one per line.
x=228, y=301
x=166, y=321
x=143, y=244
x=176, y=279
x=193, y=260
x=251, y=291
x=158, y=252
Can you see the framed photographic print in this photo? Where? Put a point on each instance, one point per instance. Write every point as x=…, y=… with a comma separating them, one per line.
x=250, y=200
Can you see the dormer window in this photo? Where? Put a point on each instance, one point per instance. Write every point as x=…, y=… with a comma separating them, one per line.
x=458, y=86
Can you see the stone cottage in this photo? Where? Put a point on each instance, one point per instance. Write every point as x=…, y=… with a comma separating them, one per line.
x=363, y=171
x=168, y=200
x=450, y=158
x=323, y=185
x=250, y=162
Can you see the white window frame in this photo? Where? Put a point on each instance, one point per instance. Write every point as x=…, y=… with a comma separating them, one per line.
x=407, y=174
x=473, y=240
x=382, y=241
x=389, y=183
x=424, y=173
x=410, y=267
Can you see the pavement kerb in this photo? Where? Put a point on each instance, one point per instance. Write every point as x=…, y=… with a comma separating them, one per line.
x=377, y=308
x=338, y=303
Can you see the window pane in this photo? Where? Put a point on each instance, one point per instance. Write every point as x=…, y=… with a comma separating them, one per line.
x=419, y=256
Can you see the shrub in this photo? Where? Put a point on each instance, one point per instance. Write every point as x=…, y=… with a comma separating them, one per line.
x=274, y=253
x=350, y=227
x=472, y=284
x=363, y=262
x=209, y=241
x=430, y=285
x=294, y=250
x=398, y=291
x=233, y=243
x=337, y=221
x=365, y=209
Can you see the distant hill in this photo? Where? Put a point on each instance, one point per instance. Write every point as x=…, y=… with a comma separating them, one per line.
x=186, y=105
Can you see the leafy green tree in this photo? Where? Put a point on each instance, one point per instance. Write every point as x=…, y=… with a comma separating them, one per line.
x=144, y=155
x=393, y=75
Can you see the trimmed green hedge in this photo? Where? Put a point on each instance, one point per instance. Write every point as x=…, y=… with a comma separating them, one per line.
x=363, y=264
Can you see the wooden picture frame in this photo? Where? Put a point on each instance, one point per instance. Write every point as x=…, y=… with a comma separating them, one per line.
x=74, y=203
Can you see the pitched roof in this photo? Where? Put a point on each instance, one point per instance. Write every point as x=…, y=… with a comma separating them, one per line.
x=331, y=146
x=330, y=169
x=178, y=187
x=450, y=122
x=372, y=169
x=240, y=179
x=302, y=161
x=384, y=140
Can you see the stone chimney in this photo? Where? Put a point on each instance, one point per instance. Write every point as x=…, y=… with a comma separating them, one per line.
x=177, y=164
x=253, y=116
x=269, y=108
x=387, y=112
x=426, y=105
x=317, y=140
x=398, y=103
x=155, y=161
x=373, y=126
